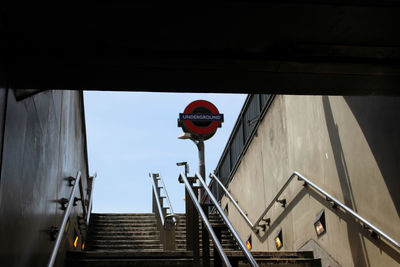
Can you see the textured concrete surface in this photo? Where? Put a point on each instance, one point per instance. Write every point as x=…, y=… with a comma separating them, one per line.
x=43, y=144
x=348, y=146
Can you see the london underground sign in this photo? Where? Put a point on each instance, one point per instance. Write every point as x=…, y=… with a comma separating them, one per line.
x=200, y=118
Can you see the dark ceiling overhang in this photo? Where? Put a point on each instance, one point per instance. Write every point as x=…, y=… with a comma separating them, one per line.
x=298, y=47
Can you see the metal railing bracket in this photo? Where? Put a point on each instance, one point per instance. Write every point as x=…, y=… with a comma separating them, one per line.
x=70, y=180
x=282, y=201
x=63, y=201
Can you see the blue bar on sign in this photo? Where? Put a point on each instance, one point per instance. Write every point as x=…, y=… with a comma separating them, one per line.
x=201, y=117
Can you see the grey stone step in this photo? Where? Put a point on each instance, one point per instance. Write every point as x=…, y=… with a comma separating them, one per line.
x=121, y=224
x=135, y=222
x=125, y=233
x=112, y=239
x=131, y=262
x=123, y=246
x=123, y=228
x=123, y=241
x=126, y=215
x=283, y=262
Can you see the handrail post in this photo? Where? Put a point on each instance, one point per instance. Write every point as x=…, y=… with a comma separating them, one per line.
x=90, y=200
x=242, y=246
x=67, y=212
x=217, y=257
x=204, y=234
x=192, y=226
x=165, y=223
x=205, y=239
x=193, y=197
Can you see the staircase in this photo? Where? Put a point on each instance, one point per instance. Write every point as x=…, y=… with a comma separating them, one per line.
x=133, y=240
x=227, y=242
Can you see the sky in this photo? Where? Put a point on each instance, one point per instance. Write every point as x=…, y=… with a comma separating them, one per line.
x=131, y=134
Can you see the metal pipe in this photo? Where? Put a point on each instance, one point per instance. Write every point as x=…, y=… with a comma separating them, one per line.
x=318, y=189
x=157, y=197
x=228, y=223
x=347, y=209
x=212, y=175
x=172, y=213
x=214, y=237
x=275, y=199
x=89, y=208
x=64, y=221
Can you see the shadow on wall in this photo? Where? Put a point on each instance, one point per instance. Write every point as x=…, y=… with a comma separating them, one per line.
x=356, y=227
x=378, y=118
x=357, y=245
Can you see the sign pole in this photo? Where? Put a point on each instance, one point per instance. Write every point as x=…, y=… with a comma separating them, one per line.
x=199, y=122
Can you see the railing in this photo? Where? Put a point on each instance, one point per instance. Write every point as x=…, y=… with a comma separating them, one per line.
x=90, y=194
x=307, y=182
x=165, y=222
x=65, y=218
x=217, y=244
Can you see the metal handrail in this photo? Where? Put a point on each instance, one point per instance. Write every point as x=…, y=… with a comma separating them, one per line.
x=157, y=197
x=170, y=218
x=206, y=222
x=213, y=176
x=328, y=197
x=171, y=214
x=64, y=221
x=89, y=208
x=227, y=222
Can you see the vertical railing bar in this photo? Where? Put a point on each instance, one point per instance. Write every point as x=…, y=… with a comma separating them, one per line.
x=158, y=202
x=166, y=195
x=228, y=223
x=217, y=244
x=232, y=200
x=64, y=222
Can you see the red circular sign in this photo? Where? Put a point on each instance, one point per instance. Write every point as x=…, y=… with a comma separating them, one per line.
x=199, y=130
x=200, y=118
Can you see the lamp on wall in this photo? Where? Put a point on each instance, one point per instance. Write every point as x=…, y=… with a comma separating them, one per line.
x=76, y=241
x=319, y=223
x=278, y=240
x=226, y=209
x=249, y=244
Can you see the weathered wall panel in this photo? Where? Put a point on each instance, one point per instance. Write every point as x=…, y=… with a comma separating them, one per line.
x=346, y=145
x=44, y=142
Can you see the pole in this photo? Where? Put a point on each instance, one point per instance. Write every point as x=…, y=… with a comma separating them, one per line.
x=204, y=234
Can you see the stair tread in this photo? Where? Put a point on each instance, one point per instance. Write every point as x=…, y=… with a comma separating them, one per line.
x=131, y=239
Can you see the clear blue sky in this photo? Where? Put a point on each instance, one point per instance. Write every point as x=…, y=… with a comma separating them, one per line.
x=132, y=133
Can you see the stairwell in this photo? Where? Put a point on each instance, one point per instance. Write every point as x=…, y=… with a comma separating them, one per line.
x=133, y=240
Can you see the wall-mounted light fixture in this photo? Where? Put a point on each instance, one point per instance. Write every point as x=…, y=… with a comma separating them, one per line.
x=83, y=245
x=226, y=209
x=66, y=226
x=319, y=223
x=76, y=240
x=249, y=244
x=278, y=240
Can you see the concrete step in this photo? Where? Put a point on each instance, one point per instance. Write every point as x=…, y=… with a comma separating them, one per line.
x=124, y=241
x=123, y=224
x=123, y=228
x=123, y=216
x=125, y=233
x=130, y=258
x=91, y=247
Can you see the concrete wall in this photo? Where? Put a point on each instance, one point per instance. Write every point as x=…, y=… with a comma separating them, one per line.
x=348, y=146
x=44, y=142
